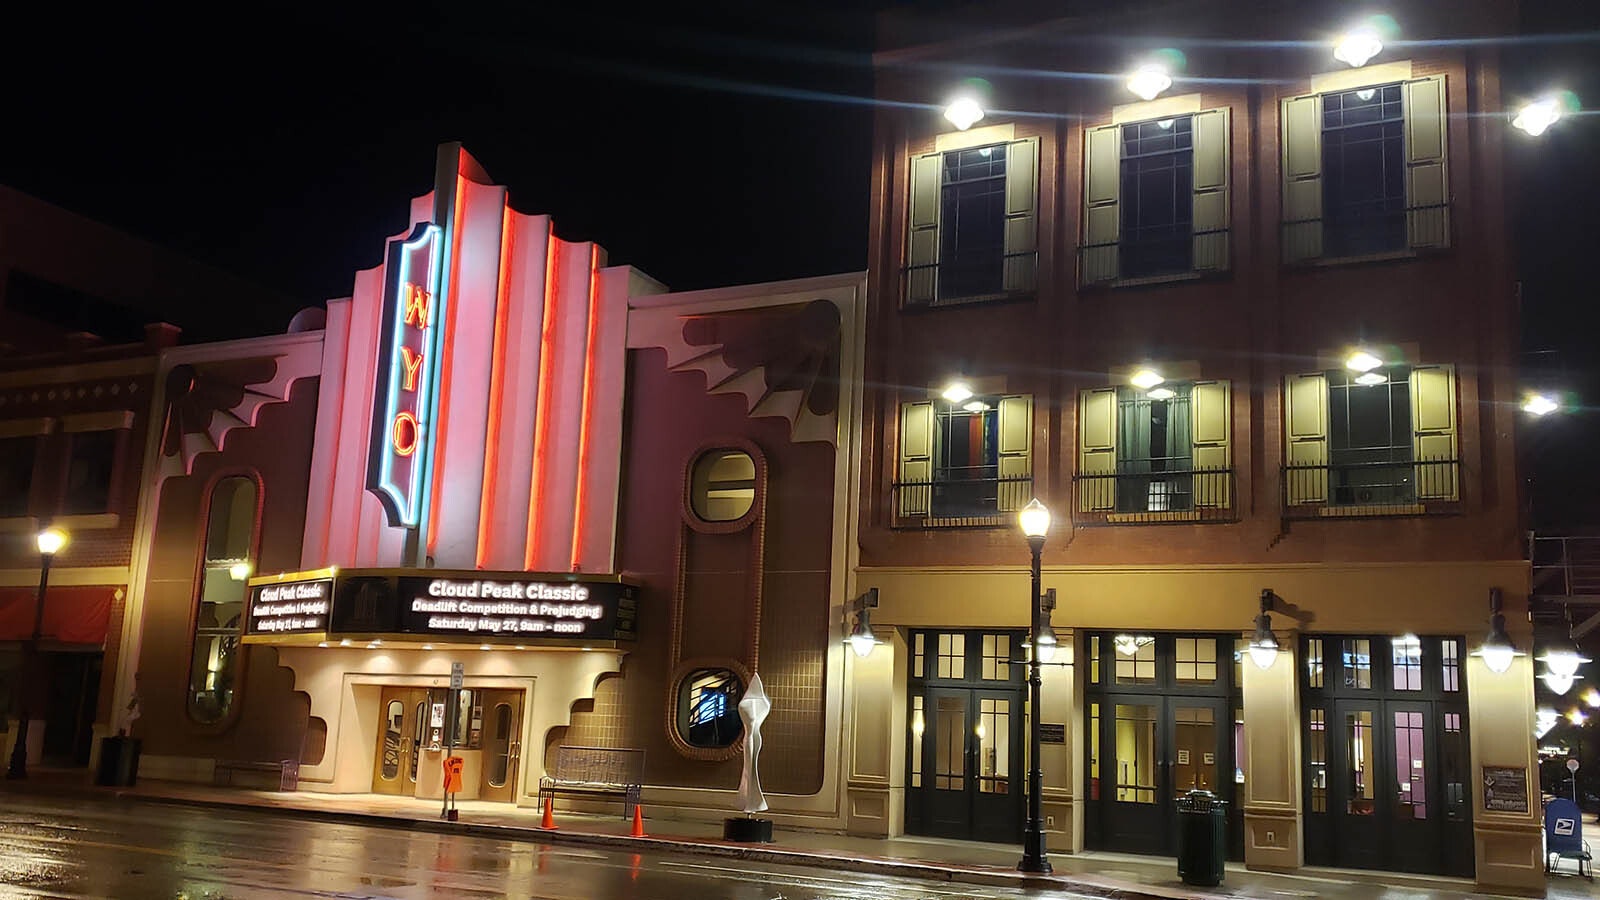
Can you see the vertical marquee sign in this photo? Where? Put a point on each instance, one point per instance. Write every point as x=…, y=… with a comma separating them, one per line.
x=402, y=402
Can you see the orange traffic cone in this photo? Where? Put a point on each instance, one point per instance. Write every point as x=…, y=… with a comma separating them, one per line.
x=549, y=823
x=638, y=821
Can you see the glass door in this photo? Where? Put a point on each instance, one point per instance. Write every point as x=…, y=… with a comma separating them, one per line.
x=999, y=782
x=1413, y=787
x=1361, y=781
x=502, y=744
x=394, y=764
x=948, y=758
x=1135, y=801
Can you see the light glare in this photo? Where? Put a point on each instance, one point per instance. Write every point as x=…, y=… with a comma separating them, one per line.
x=1356, y=47
x=963, y=113
x=1539, y=405
x=1362, y=361
x=1146, y=378
x=1537, y=116
x=1149, y=80
x=51, y=540
x=958, y=392
x=1371, y=378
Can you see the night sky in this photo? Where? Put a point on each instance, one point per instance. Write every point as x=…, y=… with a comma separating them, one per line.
x=707, y=144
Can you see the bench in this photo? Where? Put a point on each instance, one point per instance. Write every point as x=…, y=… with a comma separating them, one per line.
x=262, y=776
x=595, y=771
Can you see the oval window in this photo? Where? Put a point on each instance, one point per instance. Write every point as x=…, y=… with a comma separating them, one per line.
x=723, y=487
x=708, y=708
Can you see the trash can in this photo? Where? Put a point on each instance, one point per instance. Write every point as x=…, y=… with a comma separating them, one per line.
x=1202, y=838
x=119, y=762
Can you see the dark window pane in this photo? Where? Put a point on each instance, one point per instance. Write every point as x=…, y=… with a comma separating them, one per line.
x=89, y=471
x=1369, y=437
x=1363, y=165
x=1157, y=197
x=972, y=222
x=16, y=474
x=966, y=458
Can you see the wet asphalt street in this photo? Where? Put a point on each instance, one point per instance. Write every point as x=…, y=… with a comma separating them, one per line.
x=74, y=848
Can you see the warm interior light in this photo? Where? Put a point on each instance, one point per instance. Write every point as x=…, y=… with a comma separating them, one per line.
x=1576, y=716
x=1046, y=644
x=1128, y=645
x=975, y=406
x=963, y=112
x=1034, y=519
x=1145, y=378
x=427, y=646
x=958, y=392
x=1371, y=378
x=1592, y=697
x=1165, y=124
x=1356, y=47
x=240, y=571
x=51, y=540
x=1362, y=361
x=1539, y=405
x=1149, y=80
x=483, y=646
x=345, y=642
x=1535, y=117
x=1162, y=393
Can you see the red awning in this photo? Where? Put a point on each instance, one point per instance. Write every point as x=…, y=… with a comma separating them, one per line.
x=72, y=615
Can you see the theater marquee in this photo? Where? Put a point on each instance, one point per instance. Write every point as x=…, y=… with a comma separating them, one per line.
x=422, y=604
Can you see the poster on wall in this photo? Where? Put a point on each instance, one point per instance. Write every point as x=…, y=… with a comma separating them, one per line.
x=1505, y=789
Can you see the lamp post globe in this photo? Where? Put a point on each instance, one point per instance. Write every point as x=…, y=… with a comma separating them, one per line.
x=1034, y=520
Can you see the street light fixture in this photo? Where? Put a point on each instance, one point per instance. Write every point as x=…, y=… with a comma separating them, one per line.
x=1149, y=80
x=1533, y=118
x=964, y=112
x=1357, y=46
x=1034, y=519
x=861, y=639
x=49, y=542
x=1046, y=643
x=1539, y=405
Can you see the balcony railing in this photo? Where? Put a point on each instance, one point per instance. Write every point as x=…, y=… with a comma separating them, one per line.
x=1171, y=496
x=1369, y=229
x=1155, y=253
x=960, y=502
x=1410, y=487
x=971, y=276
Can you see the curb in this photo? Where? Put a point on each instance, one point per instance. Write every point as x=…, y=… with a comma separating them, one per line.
x=930, y=871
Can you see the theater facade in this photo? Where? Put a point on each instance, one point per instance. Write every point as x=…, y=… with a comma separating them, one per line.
x=503, y=498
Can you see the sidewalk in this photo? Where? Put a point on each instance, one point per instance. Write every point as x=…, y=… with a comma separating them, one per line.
x=1099, y=874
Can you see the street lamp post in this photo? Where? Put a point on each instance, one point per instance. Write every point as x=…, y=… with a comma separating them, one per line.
x=1035, y=522
x=49, y=541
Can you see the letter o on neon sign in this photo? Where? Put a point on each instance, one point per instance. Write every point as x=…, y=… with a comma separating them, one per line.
x=403, y=435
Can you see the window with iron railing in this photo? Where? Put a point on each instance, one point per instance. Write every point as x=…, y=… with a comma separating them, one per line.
x=1155, y=199
x=973, y=216
x=1381, y=442
x=1155, y=455
x=1365, y=171
x=965, y=463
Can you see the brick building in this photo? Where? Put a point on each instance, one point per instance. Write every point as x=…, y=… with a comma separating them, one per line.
x=1245, y=322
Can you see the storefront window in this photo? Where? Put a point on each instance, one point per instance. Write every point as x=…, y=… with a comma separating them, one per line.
x=229, y=546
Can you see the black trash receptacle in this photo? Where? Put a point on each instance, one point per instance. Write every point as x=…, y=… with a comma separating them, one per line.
x=119, y=762
x=1202, y=838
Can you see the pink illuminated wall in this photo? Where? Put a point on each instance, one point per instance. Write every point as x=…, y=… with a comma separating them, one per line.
x=527, y=441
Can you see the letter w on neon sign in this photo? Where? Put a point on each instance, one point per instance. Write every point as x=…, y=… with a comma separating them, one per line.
x=402, y=402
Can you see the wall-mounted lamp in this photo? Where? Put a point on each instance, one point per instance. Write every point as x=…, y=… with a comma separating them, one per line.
x=964, y=112
x=1561, y=659
x=241, y=571
x=957, y=391
x=1263, y=644
x=1357, y=46
x=1149, y=80
x=1047, y=642
x=1497, y=650
x=861, y=639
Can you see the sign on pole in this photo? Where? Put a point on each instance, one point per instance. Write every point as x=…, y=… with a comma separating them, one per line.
x=458, y=676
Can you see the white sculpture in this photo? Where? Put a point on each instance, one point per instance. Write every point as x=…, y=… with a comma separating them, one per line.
x=753, y=711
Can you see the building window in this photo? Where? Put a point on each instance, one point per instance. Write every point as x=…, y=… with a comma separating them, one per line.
x=91, y=472
x=723, y=485
x=17, y=456
x=1135, y=659
x=1156, y=198
x=1155, y=455
x=1379, y=441
x=965, y=463
x=1195, y=660
x=229, y=552
x=1357, y=661
x=1314, y=662
x=973, y=223
x=1450, y=664
x=1364, y=171
x=708, y=708
x=1406, y=662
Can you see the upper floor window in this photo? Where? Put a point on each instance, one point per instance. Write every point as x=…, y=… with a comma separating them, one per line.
x=1158, y=454
x=965, y=463
x=1364, y=171
x=973, y=223
x=1156, y=198
x=91, y=472
x=1378, y=441
x=229, y=549
x=17, y=456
